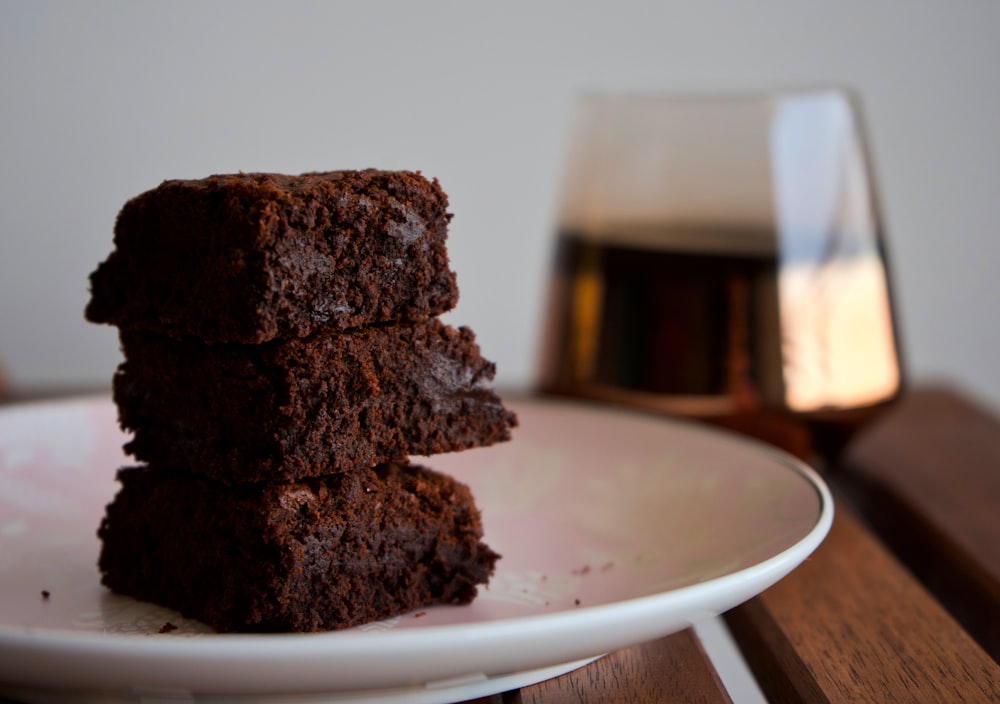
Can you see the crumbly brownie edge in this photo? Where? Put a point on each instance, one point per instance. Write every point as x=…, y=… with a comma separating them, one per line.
x=279, y=256
x=298, y=408
x=325, y=554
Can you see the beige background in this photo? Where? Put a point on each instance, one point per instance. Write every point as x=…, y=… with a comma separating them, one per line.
x=101, y=100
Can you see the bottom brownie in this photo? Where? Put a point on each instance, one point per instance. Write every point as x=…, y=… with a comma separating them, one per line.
x=320, y=554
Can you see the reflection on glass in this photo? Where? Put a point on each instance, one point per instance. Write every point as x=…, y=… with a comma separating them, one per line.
x=838, y=349
x=720, y=255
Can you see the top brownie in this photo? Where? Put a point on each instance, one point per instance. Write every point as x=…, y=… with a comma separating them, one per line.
x=255, y=257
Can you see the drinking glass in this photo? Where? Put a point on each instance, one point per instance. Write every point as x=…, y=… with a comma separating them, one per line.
x=722, y=257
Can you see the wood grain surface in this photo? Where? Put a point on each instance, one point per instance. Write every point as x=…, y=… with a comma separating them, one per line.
x=926, y=477
x=851, y=625
x=670, y=670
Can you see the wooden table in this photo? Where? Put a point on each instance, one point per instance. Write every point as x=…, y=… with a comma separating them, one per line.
x=901, y=603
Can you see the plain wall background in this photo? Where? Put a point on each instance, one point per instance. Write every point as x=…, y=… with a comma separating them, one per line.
x=102, y=100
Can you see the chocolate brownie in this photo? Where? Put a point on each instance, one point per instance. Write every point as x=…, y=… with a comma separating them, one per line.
x=302, y=407
x=315, y=555
x=254, y=257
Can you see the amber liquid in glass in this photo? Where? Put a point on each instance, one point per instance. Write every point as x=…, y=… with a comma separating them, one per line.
x=694, y=321
x=635, y=319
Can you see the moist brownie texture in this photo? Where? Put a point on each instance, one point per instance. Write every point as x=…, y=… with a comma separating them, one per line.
x=330, y=402
x=254, y=257
x=283, y=356
x=314, y=555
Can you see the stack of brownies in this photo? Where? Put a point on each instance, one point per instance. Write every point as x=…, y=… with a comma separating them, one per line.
x=283, y=357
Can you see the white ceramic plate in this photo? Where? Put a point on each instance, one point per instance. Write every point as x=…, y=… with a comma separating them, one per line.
x=615, y=528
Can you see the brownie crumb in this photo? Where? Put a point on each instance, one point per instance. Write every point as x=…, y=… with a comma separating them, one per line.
x=167, y=627
x=46, y=594
x=576, y=602
x=582, y=571
x=420, y=614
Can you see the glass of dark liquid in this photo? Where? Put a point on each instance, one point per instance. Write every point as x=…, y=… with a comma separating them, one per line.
x=723, y=258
